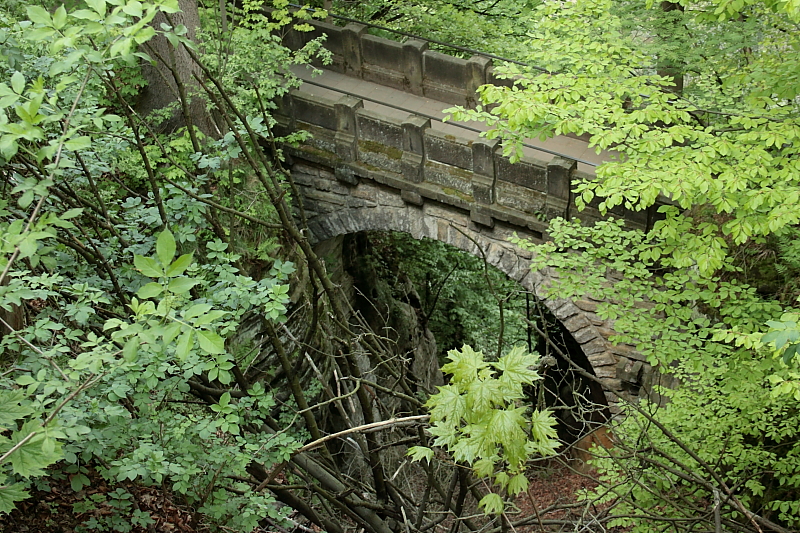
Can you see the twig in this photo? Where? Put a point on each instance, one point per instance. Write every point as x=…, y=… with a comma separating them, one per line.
x=365, y=428
x=50, y=418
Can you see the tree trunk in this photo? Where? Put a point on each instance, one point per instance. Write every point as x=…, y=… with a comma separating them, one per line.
x=672, y=70
x=169, y=63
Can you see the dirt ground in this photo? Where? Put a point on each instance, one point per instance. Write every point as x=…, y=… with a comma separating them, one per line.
x=56, y=508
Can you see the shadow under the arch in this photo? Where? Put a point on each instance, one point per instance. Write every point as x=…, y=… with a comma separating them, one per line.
x=578, y=403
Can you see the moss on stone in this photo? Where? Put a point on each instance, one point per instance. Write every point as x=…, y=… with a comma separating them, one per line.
x=455, y=192
x=390, y=151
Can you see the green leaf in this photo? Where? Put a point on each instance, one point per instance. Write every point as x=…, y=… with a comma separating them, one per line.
x=148, y=266
x=484, y=467
x=179, y=265
x=150, y=290
x=78, y=481
x=210, y=342
x=11, y=409
x=120, y=47
x=225, y=399
x=518, y=484
x=15, y=492
x=72, y=213
x=98, y=5
x=196, y=310
x=170, y=6
x=18, y=82
x=131, y=350
x=144, y=35
x=185, y=344
x=39, y=15
x=165, y=247
x=464, y=365
x=448, y=403
x=209, y=317
x=34, y=456
x=491, y=503
x=78, y=143
x=133, y=8
x=170, y=332
x=60, y=17
x=181, y=285
x=790, y=352
x=418, y=453
x=518, y=367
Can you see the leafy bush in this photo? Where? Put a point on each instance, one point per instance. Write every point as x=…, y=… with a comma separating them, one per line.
x=479, y=418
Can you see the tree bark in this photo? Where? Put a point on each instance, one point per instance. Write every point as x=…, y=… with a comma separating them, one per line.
x=673, y=71
x=172, y=72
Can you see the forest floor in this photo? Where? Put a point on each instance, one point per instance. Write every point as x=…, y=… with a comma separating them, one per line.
x=56, y=508
x=556, y=485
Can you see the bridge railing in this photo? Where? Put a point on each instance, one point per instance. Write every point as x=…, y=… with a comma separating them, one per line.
x=407, y=154
x=409, y=66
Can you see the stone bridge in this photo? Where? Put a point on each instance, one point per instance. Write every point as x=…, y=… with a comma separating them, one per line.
x=395, y=168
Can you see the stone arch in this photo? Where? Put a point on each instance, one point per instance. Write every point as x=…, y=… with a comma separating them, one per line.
x=335, y=208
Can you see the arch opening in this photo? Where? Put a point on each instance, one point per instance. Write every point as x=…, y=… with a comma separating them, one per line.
x=383, y=266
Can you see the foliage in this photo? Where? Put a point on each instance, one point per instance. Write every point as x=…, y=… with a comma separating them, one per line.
x=487, y=25
x=478, y=418
x=733, y=150
x=456, y=292
x=723, y=428
x=111, y=321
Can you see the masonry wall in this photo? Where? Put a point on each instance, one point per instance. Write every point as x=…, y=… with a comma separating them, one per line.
x=470, y=174
x=409, y=66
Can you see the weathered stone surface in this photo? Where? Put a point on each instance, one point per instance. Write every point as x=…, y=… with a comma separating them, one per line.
x=564, y=310
x=380, y=130
x=411, y=197
x=528, y=173
x=351, y=48
x=414, y=130
x=388, y=198
x=627, y=351
x=345, y=175
x=613, y=384
x=585, y=334
x=481, y=218
x=576, y=323
x=483, y=151
x=448, y=149
x=315, y=110
x=412, y=167
x=605, y=372
x=445, y=78
x=326, y=197
x=602, y=359
x=413, y=49
x=409, y=178
x=605, y=331
x=526, y=201
x=477, y=66
x=630, y=371
x=483, y=190
x=598, y=345
x=559, y=177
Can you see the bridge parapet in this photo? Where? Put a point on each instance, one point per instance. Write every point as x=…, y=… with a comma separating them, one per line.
x=409, y=66
x=469, y=173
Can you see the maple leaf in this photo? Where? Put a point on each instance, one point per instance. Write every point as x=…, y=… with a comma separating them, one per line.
x=465, y=365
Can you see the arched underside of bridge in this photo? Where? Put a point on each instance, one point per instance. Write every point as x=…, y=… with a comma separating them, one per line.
x=335, y=208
